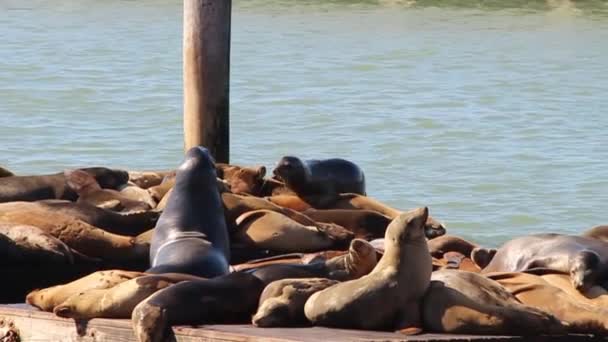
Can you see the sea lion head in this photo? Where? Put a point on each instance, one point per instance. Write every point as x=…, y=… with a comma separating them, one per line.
x=408, y=227
x=290, y=169
x=108, y=178
x=584, y=270
x=273, y=312
x=248, y=180
x=198, y=167
x=433, y=228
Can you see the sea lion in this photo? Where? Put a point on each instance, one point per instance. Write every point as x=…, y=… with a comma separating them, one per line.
x=148, y=179
x=131, y=223
x=190, y=235
x=231, y=298
x=5, y=172
x=282, y=301
x=394, y=288
x=459, y=261
x=585, y=259
x=597, y=232
x=89, y=190
x=482, y=256
x=450, y=243
x=119, y=300
x=54, y=186
x=359, y=261
x=47, y=299
x=267, y=229
x=246, y=180
x=274, y=187
x=36, y=246
x=79, y=235
x=222, y=187
x=532, y=290
x=459, y=302
x=365, y=224
x=320, y=181
x=290, y=201
x=137, y=194
x=160, y=191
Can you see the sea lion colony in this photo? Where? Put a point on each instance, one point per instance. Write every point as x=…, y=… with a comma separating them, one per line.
x=218, y=243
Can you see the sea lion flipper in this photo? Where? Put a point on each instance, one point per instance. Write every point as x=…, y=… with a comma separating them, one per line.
x=81, y=181
x=113, y=204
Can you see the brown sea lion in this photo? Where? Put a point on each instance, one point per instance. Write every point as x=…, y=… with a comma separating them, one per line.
x=222, y=187
x=450, y=243
x=79, y=235
x=292, y=202
x=54, y=186
x=131, y=223
x=191, y=235
x=584, y=258
x=119, y=300
x=148, y=179
x=232, y=298
x=158, y=192
x=135, y=193
x=267, y=229
x=282, y=301
x=47, y=299
x=532, y=290
x=5, y=172
x=320, y=181
x=246, y=180
x=365, y=224
x=597, y=232
x=459, y=302
x=36, y=245
x=89, y=190
x=394, y=288
x=359, y=261
x=459, y=261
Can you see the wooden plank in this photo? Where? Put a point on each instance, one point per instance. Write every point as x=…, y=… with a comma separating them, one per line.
x=206, y=72
x=33, y=325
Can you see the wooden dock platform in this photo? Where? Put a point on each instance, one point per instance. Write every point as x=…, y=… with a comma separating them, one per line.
x=22, y=323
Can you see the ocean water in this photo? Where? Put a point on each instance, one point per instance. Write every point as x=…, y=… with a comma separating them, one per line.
x=492, y=113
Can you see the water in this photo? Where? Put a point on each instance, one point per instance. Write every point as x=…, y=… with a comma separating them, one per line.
x=492, y=113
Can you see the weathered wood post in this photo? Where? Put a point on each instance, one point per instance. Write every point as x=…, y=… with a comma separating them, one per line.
x=206, y=54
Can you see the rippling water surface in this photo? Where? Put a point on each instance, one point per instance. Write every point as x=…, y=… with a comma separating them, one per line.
x=492, y=113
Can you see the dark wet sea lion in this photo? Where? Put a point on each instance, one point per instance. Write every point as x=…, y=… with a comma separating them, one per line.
x=394, y=289
x=585, y=259
x=190, y=235
x=231, y=298
x=459, y=302
x=282, y=301
x=89, y=191
x=320, y=181
x=5, y=172
x=54, y=186
x=246, y=180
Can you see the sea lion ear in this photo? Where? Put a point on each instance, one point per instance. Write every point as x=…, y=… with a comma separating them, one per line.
x=261, y=171
x=79, y=180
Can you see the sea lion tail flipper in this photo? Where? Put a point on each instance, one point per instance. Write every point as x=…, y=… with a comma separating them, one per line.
x=81, y=181
x=482, y=256
x=149, y=322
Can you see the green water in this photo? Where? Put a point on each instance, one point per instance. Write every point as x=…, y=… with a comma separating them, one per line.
x=492, y=113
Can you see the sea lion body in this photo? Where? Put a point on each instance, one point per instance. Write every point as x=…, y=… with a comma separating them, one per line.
x=365, y=224
x=231, y=298
x=449, y=243
x=246, y=180
x=267, y=229
x=54, y=186
x=460, y=302
x=585, y=259
x=47, y=299
x=37, y=246
x=393, y=289
x=320, y=181
x=597, y=232
x=119, y=300
x=133, y=223
x=148, y=179
x=190, y=235
x=532, y=290
x=137, y=194
x=282, y=301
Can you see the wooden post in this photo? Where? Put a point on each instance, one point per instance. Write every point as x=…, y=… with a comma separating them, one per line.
x=206, y=54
